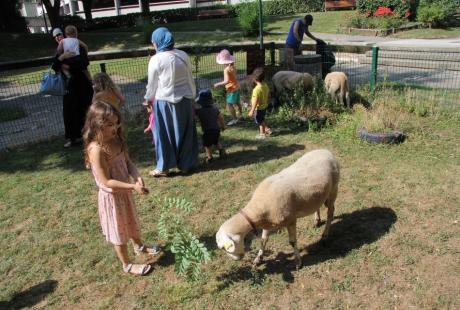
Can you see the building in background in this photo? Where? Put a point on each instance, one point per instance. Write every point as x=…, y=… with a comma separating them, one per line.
x=32, y=10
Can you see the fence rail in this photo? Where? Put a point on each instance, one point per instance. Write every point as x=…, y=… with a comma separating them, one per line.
x=26, y=116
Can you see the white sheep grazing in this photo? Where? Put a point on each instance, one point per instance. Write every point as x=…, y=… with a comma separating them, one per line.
x=336, y=84
x=297, y=191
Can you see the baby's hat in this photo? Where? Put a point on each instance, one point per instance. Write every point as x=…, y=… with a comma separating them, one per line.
x=204, y=97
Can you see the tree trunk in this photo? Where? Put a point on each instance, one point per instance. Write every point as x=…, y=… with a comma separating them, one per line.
x=53, y=12
x=87, y=4
x=145, y=7
x=145, y=10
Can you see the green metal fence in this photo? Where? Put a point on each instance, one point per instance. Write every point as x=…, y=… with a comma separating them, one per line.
x=26, y=116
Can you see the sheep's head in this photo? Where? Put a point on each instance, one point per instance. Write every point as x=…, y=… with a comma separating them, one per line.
x=233, y=245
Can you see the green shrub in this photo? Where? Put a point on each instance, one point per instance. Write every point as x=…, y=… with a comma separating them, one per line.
x=431, y=14
x=437, y=12
x=188, y=251
x=248, y=18
x=310, y=104
x=285, y=7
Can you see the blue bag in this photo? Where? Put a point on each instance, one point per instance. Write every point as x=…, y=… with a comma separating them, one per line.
x=52, y=84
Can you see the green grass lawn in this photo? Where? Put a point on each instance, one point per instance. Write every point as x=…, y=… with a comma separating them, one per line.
x=394, y=240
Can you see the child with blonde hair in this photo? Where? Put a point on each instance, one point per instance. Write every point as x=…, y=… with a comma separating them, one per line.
x=71, y=45
x=106, y=155
x=231, y=84
x=106, y=90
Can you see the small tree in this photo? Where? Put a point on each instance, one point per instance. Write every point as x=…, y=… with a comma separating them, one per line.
x=431, y=14
x=248, y=18
x=188, y=251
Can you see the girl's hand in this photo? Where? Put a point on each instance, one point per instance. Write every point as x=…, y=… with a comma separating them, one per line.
x=146, y=130
x=250, y=113
x=139, y=188
x=141, y=181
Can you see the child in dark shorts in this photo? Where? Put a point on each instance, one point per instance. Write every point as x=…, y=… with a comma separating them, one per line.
x=212, y=123
x=259, y=103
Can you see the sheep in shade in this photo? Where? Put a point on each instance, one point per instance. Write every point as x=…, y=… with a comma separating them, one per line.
x=284, y=81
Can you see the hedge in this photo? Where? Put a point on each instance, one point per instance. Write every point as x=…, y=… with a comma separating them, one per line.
x=275, y=7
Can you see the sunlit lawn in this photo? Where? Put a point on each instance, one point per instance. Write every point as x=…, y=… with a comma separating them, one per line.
x=396, y=225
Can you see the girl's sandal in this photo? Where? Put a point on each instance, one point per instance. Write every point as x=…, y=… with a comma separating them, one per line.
x=153, y=250
x=142, y=270
x=158, y=174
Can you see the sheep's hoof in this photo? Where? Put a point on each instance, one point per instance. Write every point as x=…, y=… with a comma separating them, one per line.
x=317, y=223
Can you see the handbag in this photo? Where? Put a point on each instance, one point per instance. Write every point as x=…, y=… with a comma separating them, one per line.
x=52, y=84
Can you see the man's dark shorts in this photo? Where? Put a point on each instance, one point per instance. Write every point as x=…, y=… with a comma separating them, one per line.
x=211, y=137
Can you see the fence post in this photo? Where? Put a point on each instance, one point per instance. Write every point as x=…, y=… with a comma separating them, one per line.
x=102, y=65
x=272, y=53
x=375, y=52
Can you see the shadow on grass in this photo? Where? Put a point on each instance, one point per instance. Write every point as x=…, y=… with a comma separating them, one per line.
x=265, y=151
x=31, y=296
x=349, y=231
x=43, y=156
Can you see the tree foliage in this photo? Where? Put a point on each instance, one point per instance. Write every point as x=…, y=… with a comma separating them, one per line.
x=188, y=251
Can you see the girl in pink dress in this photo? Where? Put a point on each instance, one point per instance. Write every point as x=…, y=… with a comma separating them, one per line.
x=106, y=155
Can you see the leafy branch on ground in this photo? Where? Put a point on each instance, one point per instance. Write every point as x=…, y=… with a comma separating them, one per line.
x=189, y=252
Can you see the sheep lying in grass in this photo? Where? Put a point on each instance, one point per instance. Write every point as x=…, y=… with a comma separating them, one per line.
x=297, y=191
x=287, y=81
x=336, y=84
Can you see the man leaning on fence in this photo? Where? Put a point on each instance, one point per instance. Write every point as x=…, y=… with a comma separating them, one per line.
x=298, y=28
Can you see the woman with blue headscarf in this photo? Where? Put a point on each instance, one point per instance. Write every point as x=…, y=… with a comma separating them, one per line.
x=171, y=83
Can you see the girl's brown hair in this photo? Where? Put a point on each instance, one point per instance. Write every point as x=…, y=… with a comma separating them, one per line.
x=102, y=81
x=99, y=113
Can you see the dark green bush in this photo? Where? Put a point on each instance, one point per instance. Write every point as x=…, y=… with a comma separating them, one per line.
x=285, y=7
x=130, y=20
x=248, y=18
x=437, y=12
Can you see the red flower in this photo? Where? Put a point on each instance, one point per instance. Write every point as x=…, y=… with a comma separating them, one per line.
x=383, y=11
x=407, y=14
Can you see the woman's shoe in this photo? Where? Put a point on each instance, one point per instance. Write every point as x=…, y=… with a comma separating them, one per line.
x=158, y=173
